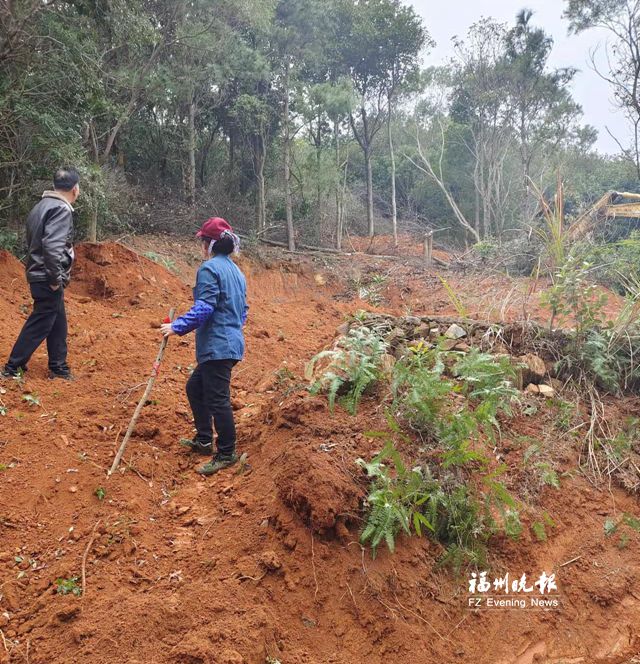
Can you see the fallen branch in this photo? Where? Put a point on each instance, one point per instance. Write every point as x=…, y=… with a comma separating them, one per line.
x=154, y=373
x=309, y=249
x=84, y=558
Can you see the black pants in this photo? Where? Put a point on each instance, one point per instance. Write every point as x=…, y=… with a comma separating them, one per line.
x=209, y=394
x=48, y=320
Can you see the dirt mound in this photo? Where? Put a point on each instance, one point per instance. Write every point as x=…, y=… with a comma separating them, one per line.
x=10, y=267
x=12, y=283
x=316, y=488
x=110, y=269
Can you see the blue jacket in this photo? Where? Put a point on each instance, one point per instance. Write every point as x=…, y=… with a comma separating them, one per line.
x=219, y=311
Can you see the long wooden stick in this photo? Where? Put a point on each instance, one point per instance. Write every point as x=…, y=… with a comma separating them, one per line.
x=84, y=558
x=154, y=373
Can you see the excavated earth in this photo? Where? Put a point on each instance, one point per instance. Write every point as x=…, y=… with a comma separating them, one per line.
x=261, y=563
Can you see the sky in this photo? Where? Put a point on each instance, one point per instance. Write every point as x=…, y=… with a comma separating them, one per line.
x=445, y=20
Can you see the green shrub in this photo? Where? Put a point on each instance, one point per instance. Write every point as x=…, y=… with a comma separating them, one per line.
x=9, y=241
x=616, y=265
x=488, y=381
x=600, y=351
x=485, y=249
x=422, y=395
x=165, y=261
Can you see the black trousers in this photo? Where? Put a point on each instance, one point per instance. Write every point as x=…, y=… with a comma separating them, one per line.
x=48, y=320
x=209, y=394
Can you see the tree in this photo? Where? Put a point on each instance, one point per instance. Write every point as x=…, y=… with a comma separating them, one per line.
x=255, y=118
x=540, y=102
x=402, y=77
x=479, y=105
x=325, y=108
x=296, y=49
x=621, y=18
x=378, y=43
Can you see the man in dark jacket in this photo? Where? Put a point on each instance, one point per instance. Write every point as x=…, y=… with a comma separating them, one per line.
x=49, y=260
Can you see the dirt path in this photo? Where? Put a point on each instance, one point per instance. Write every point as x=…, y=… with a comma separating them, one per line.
x=264, y=563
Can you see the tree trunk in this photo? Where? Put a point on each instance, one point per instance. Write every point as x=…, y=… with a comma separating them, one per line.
x=394, y=208
x=232, y=150
x=367, y=158
x=93, y=225
x=339, y=229
x=318, y=141
x=261, y=202
x=191, y=150
x=287, y=163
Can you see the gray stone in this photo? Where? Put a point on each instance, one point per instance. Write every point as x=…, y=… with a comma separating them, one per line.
x=455, y=332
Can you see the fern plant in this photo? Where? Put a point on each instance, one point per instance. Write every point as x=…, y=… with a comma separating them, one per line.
x=488, y=379
x=394, y=500
x=419, y=389
x=459, y=515
x=353, y=367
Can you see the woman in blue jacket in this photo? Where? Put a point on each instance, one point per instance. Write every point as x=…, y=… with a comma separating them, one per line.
x=217, y=316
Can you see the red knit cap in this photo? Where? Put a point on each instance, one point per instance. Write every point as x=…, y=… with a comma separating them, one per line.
x=213, y=228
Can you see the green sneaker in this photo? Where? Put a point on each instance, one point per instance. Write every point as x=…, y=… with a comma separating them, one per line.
x=196, y=446
x=218, y=463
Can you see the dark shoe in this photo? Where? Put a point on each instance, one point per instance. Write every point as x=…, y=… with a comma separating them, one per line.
x=217, y=463
x=10, y=372
x=197, y=446
x=64, y=375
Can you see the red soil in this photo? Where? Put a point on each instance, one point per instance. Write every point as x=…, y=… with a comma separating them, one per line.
x=265, y=562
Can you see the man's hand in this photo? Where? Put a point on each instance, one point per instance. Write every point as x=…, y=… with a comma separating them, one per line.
x=54, y=288
x=166, y=329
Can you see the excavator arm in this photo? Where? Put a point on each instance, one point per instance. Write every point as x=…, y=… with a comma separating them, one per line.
x=613, y=205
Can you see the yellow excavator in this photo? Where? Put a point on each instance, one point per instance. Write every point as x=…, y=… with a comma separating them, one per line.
x=613, y=205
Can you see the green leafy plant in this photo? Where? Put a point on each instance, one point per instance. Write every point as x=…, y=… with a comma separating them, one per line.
x=353, y=367
x=539, y=531
x=68, y=586
x=165, y=261
x=369, y=288
x=485, y=249
x=565, y=415
x=542, y=469
x=489, y=381
x=420, y=391
x=453, y=297
x=539, y=528
x=31, y=399
x=610, y=527
x=616, y=264
x=631, y=521
x=459, y=515
x=600, y=351
x=393, y=501
x=9, y=241
x=552, y=234
x=100, y=493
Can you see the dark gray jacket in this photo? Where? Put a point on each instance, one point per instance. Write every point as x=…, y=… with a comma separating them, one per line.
x=49, y=241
